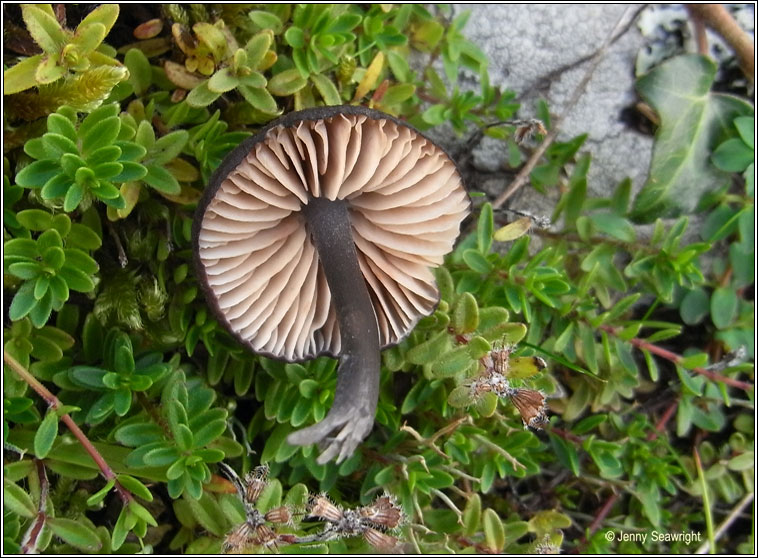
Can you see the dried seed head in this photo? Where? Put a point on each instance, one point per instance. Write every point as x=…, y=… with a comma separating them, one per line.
x=384, y=512
x=500, y=359
x=238, y=538
x=255, y=482
x=380, y=541
x=282, y=514
x=264, y=536
x=321, y=506
x=527, y=128
x=531, y=406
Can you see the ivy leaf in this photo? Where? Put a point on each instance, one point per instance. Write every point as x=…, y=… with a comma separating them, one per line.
x=693, y=122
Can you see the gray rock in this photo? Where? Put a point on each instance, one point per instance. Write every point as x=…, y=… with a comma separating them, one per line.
x=541, y=51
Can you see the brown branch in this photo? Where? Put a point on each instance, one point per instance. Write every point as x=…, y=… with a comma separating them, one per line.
x=523, y=176
x=718, y=18
x=677, y=359
x=54, y=403
x=31, y=537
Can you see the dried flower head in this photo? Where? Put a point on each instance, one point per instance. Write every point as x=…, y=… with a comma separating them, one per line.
x=384, y=513
x=321, y=506
x=282, y=514
x=255, y=483
x=531, y=406
x=380, y=541
x=527, y=128
x=238, y=538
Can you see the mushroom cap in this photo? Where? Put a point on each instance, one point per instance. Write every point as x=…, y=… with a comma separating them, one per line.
x=260, y=271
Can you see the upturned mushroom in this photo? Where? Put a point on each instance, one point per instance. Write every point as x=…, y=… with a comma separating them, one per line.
x=317, y=236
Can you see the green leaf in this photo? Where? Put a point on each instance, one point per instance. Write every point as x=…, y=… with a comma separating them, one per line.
x=295, y=37
x=45, y=435
x=88, y=37
x=460, y=397
x=484, y=229
x=259, y=98
x=17, y=500
x=743, y=462
x=429, y=350
x=472, y=515
x=38, y=173
x=694, y=306
x=140, y=73
x=162, y=180
x=76, y=279
x=746, y=127
x=59, y=124
x=222, y=81
x=56, y=145
x=266, y=20
x=23, y=302
x=256, y=48
x=733, y=155
x=476, y=261
x=399, y=93
x=201, y=96
x=724, y=305
x=105, y=14
x=494, y=533
x=514, y=230
x=614, y=225
x=286, y=83
x=21, y=76
x=44, y=28
x=208, y=432
x=465, y=318
x=692, y=120
x=100, y=495
x=101, y=134
x=75, y=533
x=326, y=89
x=135, y=487
x=168, y=147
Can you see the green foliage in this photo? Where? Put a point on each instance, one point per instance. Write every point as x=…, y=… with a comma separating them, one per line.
x=68, y=63
x=80, y=164
x=693, y=122
x=631, y=347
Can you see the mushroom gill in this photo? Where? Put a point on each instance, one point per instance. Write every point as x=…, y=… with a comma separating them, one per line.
x=329, y=219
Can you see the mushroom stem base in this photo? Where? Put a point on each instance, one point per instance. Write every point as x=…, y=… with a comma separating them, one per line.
x=357, y=393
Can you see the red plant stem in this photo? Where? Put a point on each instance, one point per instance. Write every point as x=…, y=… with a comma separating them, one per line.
x=29, y=542
x=663, y=420
x=604, y=511
x=54, y=403
x=676, y=359
x=595, y=525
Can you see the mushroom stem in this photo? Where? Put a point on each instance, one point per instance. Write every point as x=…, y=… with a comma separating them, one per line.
x=357, y=392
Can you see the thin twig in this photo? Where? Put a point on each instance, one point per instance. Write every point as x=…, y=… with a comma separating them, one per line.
x=724, y=527
x=442, y=496
x=523, y=176
x=54, y=403
x=31, y=537
x=677, y=359
x=493, y=446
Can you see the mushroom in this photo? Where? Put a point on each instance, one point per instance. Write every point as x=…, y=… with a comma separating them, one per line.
x=317, y=236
